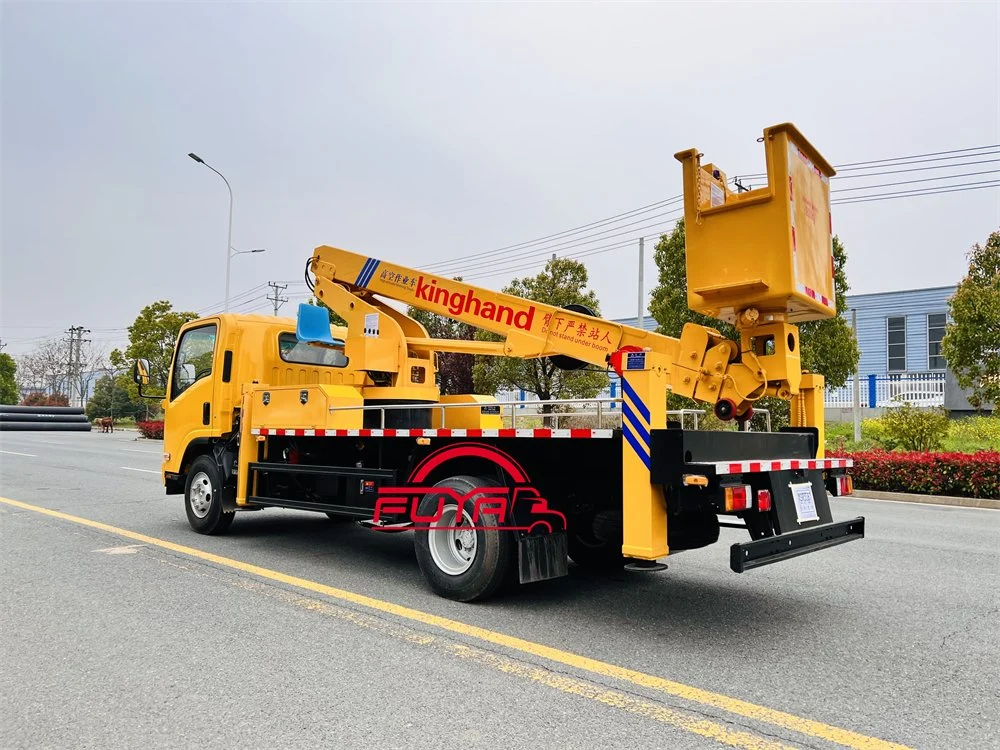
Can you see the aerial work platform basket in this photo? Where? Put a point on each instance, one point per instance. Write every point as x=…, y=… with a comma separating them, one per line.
x=769, y=248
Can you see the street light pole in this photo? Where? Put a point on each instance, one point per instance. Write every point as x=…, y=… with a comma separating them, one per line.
x=229, y=240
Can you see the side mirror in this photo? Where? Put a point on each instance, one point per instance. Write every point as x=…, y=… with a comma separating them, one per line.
x=140, y=372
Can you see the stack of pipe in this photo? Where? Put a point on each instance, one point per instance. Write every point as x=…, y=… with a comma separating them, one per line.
x=44, y=418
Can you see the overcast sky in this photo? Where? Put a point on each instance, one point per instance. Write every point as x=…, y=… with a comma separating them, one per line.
x=423, y=133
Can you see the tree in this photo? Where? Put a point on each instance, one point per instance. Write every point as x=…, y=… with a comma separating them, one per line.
x=828, y=346
x=45, y=367
x=455, y=370
x=152, y=336
x=971, y=342
x=112, y=399
x=563, y=282
x=9, y=393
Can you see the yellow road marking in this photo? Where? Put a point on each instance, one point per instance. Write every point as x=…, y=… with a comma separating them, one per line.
x=592, y=691
x=539, y=675
x=816, y=729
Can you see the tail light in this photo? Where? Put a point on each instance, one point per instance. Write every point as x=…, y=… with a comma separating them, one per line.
x=739, y=497
x=845, y=485
x=764, y=500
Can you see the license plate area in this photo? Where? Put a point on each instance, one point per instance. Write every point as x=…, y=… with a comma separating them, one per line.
x=799, y=500
x=805, y=501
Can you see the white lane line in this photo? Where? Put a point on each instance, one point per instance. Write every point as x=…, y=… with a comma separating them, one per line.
x=49, y=442
x=915, y=504
x=136, y=450
x=146, y=471
x=15, y=453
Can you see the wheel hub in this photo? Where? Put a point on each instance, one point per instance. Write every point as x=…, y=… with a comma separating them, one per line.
x=200, y=494
x=452, y=549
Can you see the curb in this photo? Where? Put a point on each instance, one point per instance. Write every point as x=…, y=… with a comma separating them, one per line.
x=904, y=497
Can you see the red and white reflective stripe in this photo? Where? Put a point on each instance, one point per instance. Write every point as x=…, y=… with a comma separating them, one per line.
x=441, y=433
x=813, y=294
x=782, y=464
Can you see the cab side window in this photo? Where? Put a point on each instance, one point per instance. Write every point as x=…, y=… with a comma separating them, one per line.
x=291, y=350
x=194, y=358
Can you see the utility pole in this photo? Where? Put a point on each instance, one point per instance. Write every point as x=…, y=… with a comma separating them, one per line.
x=641, y=315
x=76, y=341
x=277, y=300
x=857, y=382
x=2, y=345
x=71, y=361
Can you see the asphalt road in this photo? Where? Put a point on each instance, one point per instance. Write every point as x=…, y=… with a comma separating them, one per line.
x=112, y=641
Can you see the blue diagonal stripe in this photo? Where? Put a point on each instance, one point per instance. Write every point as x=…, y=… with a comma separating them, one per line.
x=630, y=392
x=634, y=442
x=371, y=272
x=364, y=270
x=630, y=417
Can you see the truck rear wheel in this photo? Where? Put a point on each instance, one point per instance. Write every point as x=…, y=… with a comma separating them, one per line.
x=464, y=564
x=203, y=498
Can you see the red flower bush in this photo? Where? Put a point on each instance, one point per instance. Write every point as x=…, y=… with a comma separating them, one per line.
x=956, y=474
x=152, y=430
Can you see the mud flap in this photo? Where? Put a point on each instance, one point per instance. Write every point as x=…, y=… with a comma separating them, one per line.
x=542, y=557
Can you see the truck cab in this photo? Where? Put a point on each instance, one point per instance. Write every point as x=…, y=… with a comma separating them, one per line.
x=214, y=358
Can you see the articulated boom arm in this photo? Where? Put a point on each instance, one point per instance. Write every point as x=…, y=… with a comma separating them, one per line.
x=761, y=260
x=701, y=364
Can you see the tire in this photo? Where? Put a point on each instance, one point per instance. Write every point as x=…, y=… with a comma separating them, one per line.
x=594, y=552
x=463, y=565
x=203, y=498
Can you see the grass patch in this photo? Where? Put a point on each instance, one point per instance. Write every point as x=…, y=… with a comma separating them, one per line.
x=966, y=435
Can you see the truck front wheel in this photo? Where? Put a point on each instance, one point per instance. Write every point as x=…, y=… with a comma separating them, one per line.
x=461, y=561
x=203, y=498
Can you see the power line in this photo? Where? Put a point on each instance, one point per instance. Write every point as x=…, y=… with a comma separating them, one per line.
x=921, y=161
x=216, y=306
x=918, y=169
x=961, y=188
x=584, y=254
x=545, y=244
x=580, y=242
x=900, y=162
x=911, y=182
x=916, y=156
x=933, y=190
x=244, y=296
x=573, y=230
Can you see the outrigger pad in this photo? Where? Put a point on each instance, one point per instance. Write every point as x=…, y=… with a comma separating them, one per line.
x=312, y=325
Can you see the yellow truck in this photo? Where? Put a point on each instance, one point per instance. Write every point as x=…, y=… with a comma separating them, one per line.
x=265, y=412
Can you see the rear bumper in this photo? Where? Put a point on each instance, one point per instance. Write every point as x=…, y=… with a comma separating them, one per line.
x=772, y=549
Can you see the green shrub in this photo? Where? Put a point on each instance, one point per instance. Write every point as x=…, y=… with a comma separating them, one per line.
x=975, y=432
x=912, y=429
x=873, y=430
